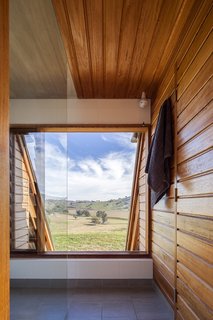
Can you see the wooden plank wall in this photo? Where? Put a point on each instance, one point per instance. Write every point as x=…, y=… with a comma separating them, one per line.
x=182, y=229
x=4, y=160
x=20, y=202
x=138, y=229
x=143, y=199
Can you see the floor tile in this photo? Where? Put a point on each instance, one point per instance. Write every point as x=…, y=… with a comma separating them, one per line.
x=118, y=309
x=154, y=316
x=84, y=310
x=88, y=303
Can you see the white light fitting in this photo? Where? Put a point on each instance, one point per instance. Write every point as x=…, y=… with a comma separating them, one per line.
x=134, y=138
x=144, y=102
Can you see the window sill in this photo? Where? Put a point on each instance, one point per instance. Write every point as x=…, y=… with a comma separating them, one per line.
x=80, y=255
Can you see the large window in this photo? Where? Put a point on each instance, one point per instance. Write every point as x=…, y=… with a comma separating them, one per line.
x=72, y=190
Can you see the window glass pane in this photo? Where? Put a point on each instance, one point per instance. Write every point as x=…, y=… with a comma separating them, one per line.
x=78, y=189
x=100, y=180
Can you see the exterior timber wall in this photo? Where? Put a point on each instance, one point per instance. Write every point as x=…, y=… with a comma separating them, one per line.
x=20, y=198
x=182, y=227
x=143, y=199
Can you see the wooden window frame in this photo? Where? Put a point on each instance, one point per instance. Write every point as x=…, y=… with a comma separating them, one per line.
x=26, y=254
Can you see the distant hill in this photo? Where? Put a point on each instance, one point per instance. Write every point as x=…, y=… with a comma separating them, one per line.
x=61, y=206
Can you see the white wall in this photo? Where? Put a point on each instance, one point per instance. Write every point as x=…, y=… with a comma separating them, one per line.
x=81, y=269
x=78, y=111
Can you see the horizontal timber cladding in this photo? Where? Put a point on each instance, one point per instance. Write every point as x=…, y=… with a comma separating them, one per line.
x=20, y=218
x=143, y=199
x=182, y=230
x=138, y=229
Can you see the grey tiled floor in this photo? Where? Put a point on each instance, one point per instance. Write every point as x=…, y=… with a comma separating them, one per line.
x=104, y=303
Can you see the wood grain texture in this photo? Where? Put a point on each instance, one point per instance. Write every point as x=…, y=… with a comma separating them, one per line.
x=27, y=213
x=197, y=246
x=117, y=48
x=134, y=219
x=201, y=185
x=199, y=165
x=193, y=301
x=196, y=206
x=202, y=99
x=201, y=143
x=165, y=38
x=192, y=68
x=196, y=85
x=196, y=225
x=164, y=270
x=164, y=285
x=163, y=255
x=197, y=124
x=4, y=160
x=112, y=18
x=165, y=243
x=139, y=210
x=163, y=217
x=195, y=65
x=201, y=289
x=201, y=36
x=166, y=205
x=161, y=228
x=196, y=265
x=185, y=311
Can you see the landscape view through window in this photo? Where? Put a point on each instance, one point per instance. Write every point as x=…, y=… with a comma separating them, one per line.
x=85, y=180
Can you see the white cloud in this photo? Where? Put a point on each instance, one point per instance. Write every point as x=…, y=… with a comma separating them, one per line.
x=62, y=138
x=91, y=166
x=121, y=138
x=112, y=179
x=103, y=178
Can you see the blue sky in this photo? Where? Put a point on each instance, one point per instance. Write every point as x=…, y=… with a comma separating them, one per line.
x=86, y=166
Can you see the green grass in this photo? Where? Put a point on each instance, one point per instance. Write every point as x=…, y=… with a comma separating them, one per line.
x=97, y=241
x=70, y=234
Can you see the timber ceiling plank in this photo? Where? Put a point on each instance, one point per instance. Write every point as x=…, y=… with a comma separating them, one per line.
x=112, y=24
x=127, y=40
x=185, y=15
x=94, y=24
x=163, y=29
x=148, y=20
x=77, y=18
x=114, y=48
x=117, y=48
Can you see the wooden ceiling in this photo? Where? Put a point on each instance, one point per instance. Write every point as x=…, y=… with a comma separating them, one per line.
x=114, y=48
x=38, y=64
x=119, y=48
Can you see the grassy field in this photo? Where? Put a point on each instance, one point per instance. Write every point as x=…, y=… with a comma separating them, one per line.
x=80, y=234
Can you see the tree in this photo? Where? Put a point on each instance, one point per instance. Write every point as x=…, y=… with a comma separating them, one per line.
x=86, y=213
x=83, y=213
x=102, y=215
